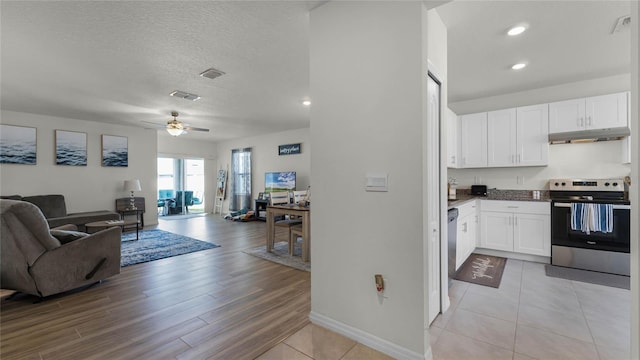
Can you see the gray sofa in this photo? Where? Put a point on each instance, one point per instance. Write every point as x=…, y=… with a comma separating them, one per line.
x=41, y=261
x=54, y=209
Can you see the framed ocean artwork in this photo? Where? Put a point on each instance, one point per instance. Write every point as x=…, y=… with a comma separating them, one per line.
x=115, y=151
x=71, y=148
x=17, y=145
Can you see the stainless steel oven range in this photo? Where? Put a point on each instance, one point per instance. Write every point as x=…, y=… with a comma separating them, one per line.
x=590, y=225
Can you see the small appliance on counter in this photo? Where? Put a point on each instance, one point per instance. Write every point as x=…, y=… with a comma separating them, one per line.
x=479, y=190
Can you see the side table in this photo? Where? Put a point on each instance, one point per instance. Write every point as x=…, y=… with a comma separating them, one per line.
x=112, y=223
x=137, y=212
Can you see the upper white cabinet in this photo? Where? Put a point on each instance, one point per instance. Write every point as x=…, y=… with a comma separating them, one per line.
x=518, y=137
x=502, y=144
x=473, y=140
x=533, y=135
x=452, y=138
x=592, y=113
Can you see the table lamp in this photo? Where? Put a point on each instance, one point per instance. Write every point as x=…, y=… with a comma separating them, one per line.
x=132, y=185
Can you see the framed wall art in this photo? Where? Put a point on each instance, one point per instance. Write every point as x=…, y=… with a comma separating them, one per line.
x=17, y=145
x=115, y=151
x=71, y=148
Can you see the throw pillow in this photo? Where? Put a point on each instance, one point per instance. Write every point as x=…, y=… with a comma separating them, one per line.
x=66, y=236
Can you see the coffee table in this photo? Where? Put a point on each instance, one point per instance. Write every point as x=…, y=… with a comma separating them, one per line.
x=112, y=223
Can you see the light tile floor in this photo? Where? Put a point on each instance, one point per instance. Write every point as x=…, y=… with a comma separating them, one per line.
x=531, y=316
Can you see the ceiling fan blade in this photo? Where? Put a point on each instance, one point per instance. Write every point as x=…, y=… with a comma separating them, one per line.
x=155, y=125
x=195, y=128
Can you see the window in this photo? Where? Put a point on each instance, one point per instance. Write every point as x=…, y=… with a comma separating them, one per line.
x=240, y=179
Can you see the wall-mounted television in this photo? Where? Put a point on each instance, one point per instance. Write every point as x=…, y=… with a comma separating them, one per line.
x=279, y=181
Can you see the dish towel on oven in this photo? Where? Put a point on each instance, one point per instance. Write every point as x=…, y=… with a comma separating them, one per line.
x=592, y=217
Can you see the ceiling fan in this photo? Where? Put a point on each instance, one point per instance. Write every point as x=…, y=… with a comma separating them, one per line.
x=176, y=128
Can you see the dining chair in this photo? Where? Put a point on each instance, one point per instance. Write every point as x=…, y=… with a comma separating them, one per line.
x=295, y=232
x=282, y=198
x=299, y=195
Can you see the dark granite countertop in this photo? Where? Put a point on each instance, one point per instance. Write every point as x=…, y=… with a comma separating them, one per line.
x=463, y=196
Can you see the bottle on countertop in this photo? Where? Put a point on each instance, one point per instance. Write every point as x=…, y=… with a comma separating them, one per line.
x=451, y=188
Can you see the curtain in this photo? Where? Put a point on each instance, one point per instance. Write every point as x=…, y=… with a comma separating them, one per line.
x=240, y=179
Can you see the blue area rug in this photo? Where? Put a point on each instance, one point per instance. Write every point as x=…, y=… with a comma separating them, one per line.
x=157, y=244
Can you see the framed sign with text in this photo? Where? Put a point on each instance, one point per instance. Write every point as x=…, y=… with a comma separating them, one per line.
x=289, y=149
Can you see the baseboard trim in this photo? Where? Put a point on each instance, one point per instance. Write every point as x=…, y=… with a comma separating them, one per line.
x=372, y=341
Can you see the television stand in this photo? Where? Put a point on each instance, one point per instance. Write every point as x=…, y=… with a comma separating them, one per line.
x=261, y=209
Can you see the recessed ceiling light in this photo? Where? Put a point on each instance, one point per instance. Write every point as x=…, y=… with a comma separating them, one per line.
x=516, y=30
x=519, y=66
x=306, y=102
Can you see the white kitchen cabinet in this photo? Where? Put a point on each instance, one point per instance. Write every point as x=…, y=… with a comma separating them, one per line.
x=452, y=138
x=592, y=113
x=532, y=135
x=473, y=140
x=518, y=136
x=466, y=236
x=516, y=226
x=502, y=143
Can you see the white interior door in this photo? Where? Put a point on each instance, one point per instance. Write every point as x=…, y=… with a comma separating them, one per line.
x=433, y=196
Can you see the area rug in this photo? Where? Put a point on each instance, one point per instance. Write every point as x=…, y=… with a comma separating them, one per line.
x=281, y=255
x=593, y=277
x=482, y=270
x=157, y=244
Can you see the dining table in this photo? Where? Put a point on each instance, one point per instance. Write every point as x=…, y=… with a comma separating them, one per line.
x=303, y=212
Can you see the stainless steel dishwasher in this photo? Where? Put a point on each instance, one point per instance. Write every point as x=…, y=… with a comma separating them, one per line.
x=452, y=229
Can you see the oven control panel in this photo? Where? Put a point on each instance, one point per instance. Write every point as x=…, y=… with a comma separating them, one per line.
x=586, y=184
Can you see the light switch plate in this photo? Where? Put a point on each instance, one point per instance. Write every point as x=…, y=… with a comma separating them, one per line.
x=376, y=182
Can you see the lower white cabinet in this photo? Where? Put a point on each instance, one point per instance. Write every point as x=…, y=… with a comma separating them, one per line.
x=516, y=226
x=466, y=236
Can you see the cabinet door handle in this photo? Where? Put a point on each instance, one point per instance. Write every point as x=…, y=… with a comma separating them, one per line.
x=515, y=221
x=591, y=242
x=465, y=227
x=581, y=121
x=512, y=207
x=590, y=120
x=453, y=159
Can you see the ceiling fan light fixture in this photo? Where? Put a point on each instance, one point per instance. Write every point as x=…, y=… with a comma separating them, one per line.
x=306, y=102
x=175, y=131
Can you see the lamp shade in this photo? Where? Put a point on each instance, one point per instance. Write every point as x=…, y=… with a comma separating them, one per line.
x=132, y=185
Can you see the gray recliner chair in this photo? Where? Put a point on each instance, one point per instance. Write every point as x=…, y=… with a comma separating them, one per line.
x=36, y=262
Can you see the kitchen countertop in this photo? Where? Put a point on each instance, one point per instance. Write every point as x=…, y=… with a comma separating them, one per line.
x=494, y=194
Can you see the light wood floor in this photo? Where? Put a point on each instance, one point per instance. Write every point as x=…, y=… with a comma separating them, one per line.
x=212, y=304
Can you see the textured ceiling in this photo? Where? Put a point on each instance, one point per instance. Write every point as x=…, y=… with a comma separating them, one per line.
x=117, y=61
x=566, y=41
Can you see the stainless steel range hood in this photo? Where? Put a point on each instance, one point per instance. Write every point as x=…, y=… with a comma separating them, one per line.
x=594, y=135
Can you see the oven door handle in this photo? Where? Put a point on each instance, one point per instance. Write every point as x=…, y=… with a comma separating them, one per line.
x=615, y=207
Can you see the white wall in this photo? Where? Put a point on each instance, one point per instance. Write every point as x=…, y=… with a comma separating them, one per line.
x=85, y=188
x=635, y=177
x=265, y=158
x=367, y=117
x=591, y=87
x=590, y=160
x=183, y=147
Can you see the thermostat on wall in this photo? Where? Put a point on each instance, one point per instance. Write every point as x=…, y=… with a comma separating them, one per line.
x=376, y=182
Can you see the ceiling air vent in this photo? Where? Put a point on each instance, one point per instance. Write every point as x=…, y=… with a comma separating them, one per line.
x=623, y=23
x=185, y=95
x=211, y=73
